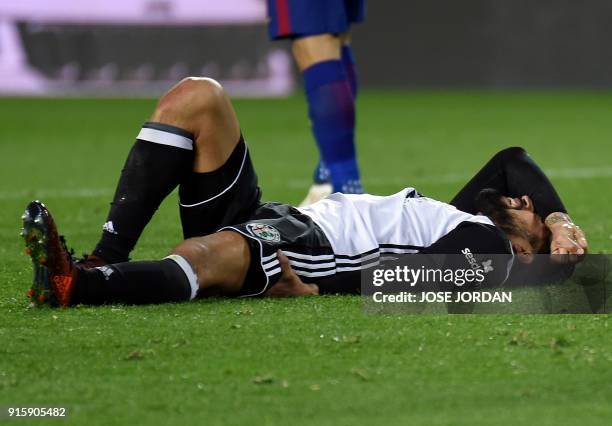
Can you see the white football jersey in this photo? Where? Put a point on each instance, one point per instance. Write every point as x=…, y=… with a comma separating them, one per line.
x=357, y=225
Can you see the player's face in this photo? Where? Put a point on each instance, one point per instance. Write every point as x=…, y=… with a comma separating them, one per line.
x=534, y=240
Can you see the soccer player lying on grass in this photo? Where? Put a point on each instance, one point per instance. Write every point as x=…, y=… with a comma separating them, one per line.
x=233, y=242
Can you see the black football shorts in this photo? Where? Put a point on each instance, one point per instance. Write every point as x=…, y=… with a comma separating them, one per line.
x=274, y=227
x=229, y=199
x=209, y=201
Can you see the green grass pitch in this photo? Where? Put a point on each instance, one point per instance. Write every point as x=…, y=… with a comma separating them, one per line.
x=316, y=360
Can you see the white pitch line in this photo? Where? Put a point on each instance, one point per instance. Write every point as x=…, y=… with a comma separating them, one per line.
x=577, y=173
x=560, y=174
x=61, y=193
x=583, y=173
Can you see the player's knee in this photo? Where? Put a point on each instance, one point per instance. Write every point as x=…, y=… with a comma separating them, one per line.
x=220, y=259
x=191, y=96
x=191, y=249
x=203, y=93
x=196, y=251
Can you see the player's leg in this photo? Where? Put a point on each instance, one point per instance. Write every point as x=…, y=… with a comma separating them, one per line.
x=317, y=29
x=193, y=129
x=223, y=191
x=348, y=60
x=216, y=264
x=331, y=108
x=321, y=177
x=213, y=264
x=220, y=262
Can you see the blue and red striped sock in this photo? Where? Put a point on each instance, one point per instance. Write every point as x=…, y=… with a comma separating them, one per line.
x=332, y=113
x=348, y=60
x=321, y=173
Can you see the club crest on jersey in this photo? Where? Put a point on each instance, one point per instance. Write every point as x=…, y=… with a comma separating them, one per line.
x=264, y=232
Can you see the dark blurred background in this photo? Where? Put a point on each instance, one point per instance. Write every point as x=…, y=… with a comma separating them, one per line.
x=486, y=43
x=141, y=46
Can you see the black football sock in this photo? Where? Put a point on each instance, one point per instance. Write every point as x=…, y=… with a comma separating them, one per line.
x=157, y=162
x=137, y=283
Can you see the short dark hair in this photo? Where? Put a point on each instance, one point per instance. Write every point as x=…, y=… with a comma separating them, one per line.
x=490, y=203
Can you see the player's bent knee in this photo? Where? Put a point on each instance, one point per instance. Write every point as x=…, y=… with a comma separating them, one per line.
x=193, y=250
x=203, y=92
x=191, y=96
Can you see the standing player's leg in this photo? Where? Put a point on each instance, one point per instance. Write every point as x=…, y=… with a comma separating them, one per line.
x=321, y=174
x=331, y=107
x=348, y=60
x=320, y=47
x=195, y=116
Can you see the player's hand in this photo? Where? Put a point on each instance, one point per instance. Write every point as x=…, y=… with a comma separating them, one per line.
x=289, y=283
x=568, y=242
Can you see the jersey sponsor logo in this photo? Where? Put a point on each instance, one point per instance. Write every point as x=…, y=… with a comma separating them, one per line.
x=485, y=266
x=264, y=232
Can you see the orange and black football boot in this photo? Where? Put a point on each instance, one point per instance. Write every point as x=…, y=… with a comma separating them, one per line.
x=54, y=268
